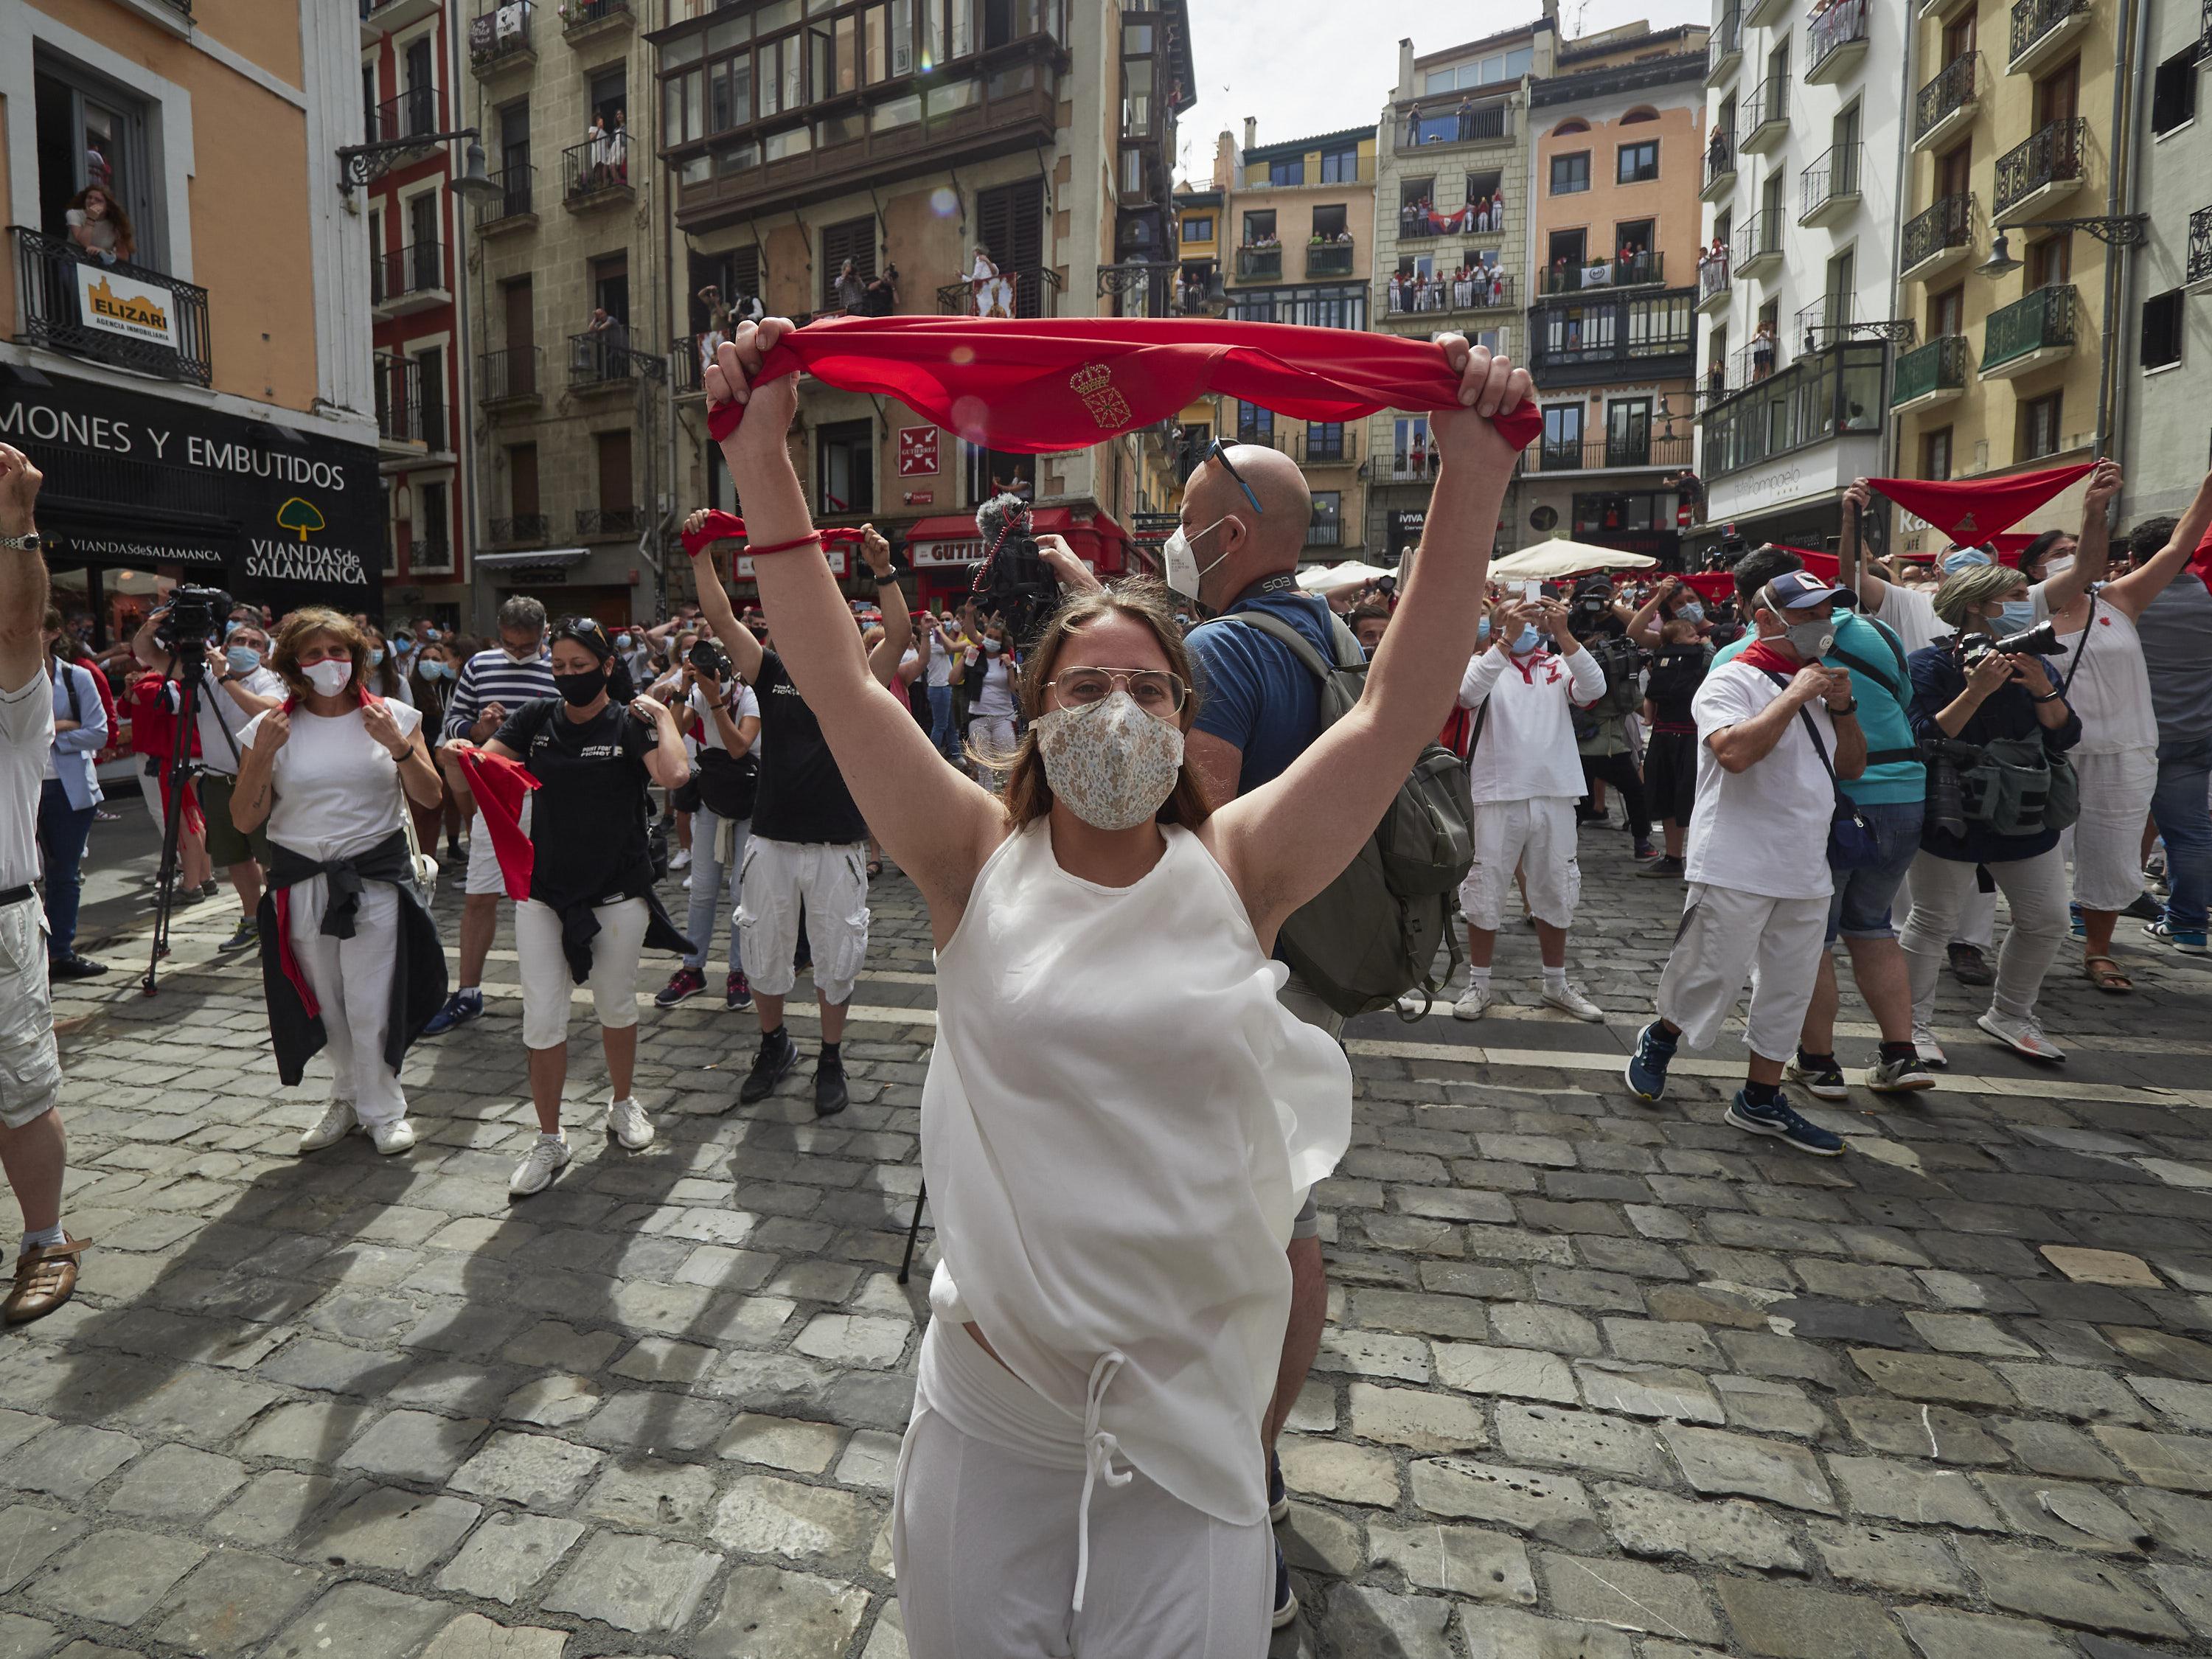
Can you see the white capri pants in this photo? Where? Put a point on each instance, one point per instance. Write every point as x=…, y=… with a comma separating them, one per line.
x=2034, y=890
x=484, y=878
x=831, y=880
x=2104, y=845
x=1728, y=936
x=984, y=1543
x=351, y=979
x=546, y=979
x=1539, y=837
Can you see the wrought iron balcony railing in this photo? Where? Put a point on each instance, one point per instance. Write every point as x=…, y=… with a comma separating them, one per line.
x=498, y=37
x=402, y=273
x=130, y=315
x=1829, y=182
x=577, y=16
x=1947, y=223
x=610, y=521
x=522, y=528
x=596, y=361
x=1726, y=41
x=2050, y=156
x=595, y=167
x=2200, y=240
x=2038, y=322
x=515, y=372
x=1939, y=366
x=1843, y=24
x=412, y=115
x=2033, y=20
x=517, y=198
x=1015, y=291
x=1951, y=91
x=1712, y=276
x=398, y=386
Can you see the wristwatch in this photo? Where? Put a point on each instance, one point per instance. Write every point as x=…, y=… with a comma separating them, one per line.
x=29, y=542
x=1851, y=708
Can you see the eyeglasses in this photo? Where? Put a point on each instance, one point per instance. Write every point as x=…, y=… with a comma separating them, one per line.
x=1152, y=689
x=1218, y=451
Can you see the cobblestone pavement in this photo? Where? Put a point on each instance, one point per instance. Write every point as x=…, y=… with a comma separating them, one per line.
x=1601, y=1380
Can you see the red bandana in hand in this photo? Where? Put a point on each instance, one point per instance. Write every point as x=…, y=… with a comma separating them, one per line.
x=500, y=786
x=1972, y=511
x=720, y=526
x=1052, y=384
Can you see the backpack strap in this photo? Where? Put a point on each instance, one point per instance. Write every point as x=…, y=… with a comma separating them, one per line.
x=67, y=671
x=2081, y=650
x=1301, y=647
x=1480, y=715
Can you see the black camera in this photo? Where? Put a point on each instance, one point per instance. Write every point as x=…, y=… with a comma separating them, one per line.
x=1014, y=583
x=196, y=618
x=708, y=657
x=2041, y=641
x=1947, y=795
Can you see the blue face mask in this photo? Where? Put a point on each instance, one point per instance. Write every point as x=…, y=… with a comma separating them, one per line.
x=434, y=670
x=1525, y=641
x=2013, y=616
x=376, y=656
x=241, y=658
x=1962, y=558
x=1691, y=612
x=621, y=642
x=1482, y=632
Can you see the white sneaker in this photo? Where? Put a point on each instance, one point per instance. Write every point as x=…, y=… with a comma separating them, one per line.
x=1931, y=1052
x=680, y=859
x=628, y=1123
x=2023, y=1036
x=1413, y=1004
x=1473, y=1004
x=338, y=1121
x=396, y=1136
x=1569, y=999
x=545, y=1160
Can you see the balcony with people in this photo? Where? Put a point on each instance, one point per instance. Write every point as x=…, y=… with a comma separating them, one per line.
x=596, y=172
x=1446, y=122
x=1007, y=291
x=1412, y=291
x=1720, y=166
x=601, y=358
x=1630, y=267
x=90, y=298
x=1713, y=273
x=1835, y=40
x=2198, y=277
x=1420, y=218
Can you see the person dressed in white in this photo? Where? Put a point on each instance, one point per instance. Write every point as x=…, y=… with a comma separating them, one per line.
x=987, y=670
x=1524, y=778
x=1120, y=1119
x=723, y=717
x=326, y=775
x=1775, y=729
x=2100, y=670
x=592, y=907
x=994, y=294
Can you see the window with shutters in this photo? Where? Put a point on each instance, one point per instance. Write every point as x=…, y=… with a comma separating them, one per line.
x=2173, y=92
x=1010, y=227
x=845, y=454
x=2161, y=330
x=854, y=239
x=2037, y=433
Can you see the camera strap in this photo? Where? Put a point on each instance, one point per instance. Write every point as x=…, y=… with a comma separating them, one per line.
x=2081, y=650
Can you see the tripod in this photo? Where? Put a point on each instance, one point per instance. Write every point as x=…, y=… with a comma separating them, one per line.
x=177, y=771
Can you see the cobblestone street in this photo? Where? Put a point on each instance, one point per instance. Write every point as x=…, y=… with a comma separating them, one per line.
x=1601, y=1380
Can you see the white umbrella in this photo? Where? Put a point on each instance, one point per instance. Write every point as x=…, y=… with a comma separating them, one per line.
x=1561, y=557
x=1316, y=579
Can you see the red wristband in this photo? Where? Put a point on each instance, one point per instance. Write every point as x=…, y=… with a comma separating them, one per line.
x=813, y=538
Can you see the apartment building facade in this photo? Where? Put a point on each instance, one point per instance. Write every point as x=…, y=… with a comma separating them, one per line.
x=1797, y=287
x=1617, y=139
x=966, y=157
x=410, y=89
x=2016, y=128
x=567, y=364
x=1451, y=198
x=197, y=390
x=2165, y=371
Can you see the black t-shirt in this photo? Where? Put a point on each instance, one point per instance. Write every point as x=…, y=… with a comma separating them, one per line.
x=1677, y=671
x=803, y=796
x=588, y=821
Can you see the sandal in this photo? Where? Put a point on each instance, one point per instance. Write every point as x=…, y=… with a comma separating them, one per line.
x=875, y=868
x=2110, y=979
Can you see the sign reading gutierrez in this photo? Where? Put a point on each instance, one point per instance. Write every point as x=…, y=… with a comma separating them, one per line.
x=122, y=305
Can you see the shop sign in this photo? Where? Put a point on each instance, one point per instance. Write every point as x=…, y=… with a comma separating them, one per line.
x=917, y=451
x=967, y=550
x=123, y=305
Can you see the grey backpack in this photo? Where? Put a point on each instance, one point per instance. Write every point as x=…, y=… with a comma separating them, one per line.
x=1371, y=934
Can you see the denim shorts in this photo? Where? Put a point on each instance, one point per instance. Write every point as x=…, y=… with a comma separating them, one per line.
x=1860, y=908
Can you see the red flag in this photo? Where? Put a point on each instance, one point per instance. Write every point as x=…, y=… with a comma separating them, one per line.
x=1036, y=387
x=1972, y=511
x=500, y=786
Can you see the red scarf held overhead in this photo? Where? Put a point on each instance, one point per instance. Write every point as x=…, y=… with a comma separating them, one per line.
x=720, y=526
x=500, y=786
x=1971, y=510
x=1036, y=387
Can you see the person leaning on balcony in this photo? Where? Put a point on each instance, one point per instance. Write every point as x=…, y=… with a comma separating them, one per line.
x=1762, y=351
x=596, y=136
x=99, y=226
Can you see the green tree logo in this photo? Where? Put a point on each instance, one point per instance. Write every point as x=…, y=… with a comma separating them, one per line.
x=300, y=514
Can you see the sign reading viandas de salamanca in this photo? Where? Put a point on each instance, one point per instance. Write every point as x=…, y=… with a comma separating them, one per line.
x=293, y=562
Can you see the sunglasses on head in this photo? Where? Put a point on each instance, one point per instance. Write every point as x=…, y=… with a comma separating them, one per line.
x=1218, y=451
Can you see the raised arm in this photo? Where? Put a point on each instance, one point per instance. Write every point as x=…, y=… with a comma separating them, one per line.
x=898, y=621
x=1644, y=626
x=714, y=604
x=1286, y=841
x=23, y=575
x=2135, y=590
x=937, y=824
x=2093, y=556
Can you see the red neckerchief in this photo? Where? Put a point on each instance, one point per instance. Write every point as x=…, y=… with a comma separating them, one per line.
x=1032, y=386
x=1527, y=666
x=1761, y=654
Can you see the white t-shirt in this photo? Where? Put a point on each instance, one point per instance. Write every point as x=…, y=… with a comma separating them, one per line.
x=940, y=662
x=337, y=789
x=2111, y=685
x=27, y=738
x=1527, y=751
x=991, y=682
x=217, y=704
x=741, y=704
x=1763, y=830
x=1912, y=616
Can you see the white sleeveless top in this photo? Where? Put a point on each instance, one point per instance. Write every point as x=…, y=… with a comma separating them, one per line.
x=2111, y=690
x=1119, y=1125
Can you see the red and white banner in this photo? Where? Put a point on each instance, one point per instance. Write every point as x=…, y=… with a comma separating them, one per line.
x=917, y=451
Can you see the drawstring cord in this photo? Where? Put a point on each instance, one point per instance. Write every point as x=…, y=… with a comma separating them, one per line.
x=1099, y=1448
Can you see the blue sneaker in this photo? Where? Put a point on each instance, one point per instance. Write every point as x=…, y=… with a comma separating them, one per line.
x=460, y=1008
x=1287, y=1601
x=1781, y=1122
x=2080, y=928
x=2190, y=939
x=1647, y=1066
x=1278, y=1499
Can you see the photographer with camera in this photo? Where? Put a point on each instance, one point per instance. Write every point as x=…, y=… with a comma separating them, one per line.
x=235, y=685
x=1601, y=730
x=719, y=710
x=1986, y=699
x=986, y=668
x=2107, y=683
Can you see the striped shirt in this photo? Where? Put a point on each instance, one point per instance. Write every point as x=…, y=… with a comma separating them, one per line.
x=492, y=676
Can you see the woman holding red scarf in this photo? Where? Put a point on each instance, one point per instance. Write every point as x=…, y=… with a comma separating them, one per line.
x=1120, y=1119
x=343, y=930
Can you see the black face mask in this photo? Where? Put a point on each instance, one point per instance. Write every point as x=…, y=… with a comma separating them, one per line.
x=582, y=689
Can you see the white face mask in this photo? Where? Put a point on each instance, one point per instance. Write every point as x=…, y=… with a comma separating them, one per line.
x=529, y=656
x=1181, y=564
x=329, y=677
x=2057, y=567
x=1113, y=764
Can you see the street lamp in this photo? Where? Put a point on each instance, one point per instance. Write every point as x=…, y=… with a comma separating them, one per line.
x=2114, y=230
x=364, y=164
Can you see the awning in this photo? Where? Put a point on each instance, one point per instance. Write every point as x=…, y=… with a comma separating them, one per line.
x=952, y=539
x=533, y=558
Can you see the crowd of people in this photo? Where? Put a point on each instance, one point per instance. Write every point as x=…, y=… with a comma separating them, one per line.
x=1122, y=816
x=1479, y=282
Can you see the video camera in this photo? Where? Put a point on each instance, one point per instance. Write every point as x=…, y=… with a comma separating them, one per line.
x=708, y=657
x=2041, y=641
x=196, y=618
x=1014, y=581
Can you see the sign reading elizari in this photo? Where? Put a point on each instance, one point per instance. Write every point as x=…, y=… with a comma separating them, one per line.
x=280, y=508
x=139, y=310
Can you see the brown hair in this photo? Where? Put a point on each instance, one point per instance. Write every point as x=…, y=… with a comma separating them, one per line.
x=303, y=625
x=1028, y=797
x=126, y=240
x=384, y=677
